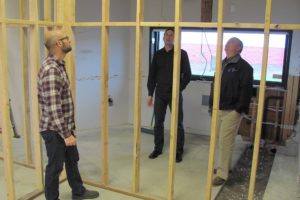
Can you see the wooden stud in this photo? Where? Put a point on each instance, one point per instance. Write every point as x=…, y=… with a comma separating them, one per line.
x=293, y=104
x=137, y=95
x=118, y=190
x=31, y=166
x=18, y=22
x=198, y=24
x=59, y=11
x=175, y=98
x=104, y=89
x=290, y=107
x=122, y=24
x=25, y=91
x=50, y=24
x=26, y=23
x=48, y=10
x=32, y=195
x=261, y=100
x=47, y=17
x=157, y=24
x=34, y=64
x=286, y=108
x=285, y=26
x=87, y=24
x=69, y=18
x=216, y=99
x=4, y=107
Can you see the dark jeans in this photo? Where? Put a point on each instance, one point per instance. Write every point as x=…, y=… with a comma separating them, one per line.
x=162, y=101
x=58, y=154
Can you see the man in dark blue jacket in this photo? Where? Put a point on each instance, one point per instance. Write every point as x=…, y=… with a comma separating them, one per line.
x=160, y=80
x=235, y=96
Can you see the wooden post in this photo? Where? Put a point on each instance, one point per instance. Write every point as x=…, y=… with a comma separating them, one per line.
x=260, y=100
x=104, y=89
x=25, y=90
x=34, y=64
x=69, y=19
x=137, y=94
x=290, y=102
x=175, y=98
x=47, y=10
x=59, y=11
x=206, y=10
x=4, y=107
x=286, y=108
x=215, y=113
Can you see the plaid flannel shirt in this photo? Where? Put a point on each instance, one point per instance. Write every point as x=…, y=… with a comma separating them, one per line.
x=55, y=99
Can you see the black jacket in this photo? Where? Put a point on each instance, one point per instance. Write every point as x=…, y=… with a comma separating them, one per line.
x=236, y=85
x=160, y=76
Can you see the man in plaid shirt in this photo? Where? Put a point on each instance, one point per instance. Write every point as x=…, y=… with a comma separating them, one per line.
x=57, y=122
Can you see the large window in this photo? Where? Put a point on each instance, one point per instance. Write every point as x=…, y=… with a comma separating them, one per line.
x=201, y=45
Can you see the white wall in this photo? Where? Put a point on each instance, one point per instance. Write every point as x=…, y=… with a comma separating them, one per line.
x=196, y=117
x=14, y=66
x=253, y=11
x=88, y=63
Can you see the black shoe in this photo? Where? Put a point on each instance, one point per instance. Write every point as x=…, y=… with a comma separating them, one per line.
x=215, y=171
x=218, y=181
x=178, y=157
x=154, y=154
x=88, y=194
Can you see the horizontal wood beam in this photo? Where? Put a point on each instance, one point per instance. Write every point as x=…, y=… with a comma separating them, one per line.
x=118, y=190
x=32, y=195
x=78, y=24
x=26, y=23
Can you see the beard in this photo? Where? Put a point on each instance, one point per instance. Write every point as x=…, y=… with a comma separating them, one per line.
x=66, y=49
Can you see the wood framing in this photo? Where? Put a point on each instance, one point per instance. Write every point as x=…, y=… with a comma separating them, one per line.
x=119, y=190
x=69, y=18
x=137, y=95
x=25, y=91
x=104, y=90
x=59, y=11
x=289, y=107
x=64, y=17
x=261, y=100
x=4, y=107
x=175, y=98
x=215, y=113
x=34, y=67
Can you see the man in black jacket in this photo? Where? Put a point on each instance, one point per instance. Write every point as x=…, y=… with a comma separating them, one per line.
x=235, y=96
x=160, y=80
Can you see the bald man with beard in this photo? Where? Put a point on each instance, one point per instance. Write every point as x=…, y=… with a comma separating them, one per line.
x=57, y=124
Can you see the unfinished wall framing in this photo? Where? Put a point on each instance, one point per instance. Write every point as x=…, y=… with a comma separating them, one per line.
x=64, y=17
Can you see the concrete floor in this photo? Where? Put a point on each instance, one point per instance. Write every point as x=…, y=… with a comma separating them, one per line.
x=190, y=178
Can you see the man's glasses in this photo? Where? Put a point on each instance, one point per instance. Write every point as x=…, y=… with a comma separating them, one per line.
x=64, y=38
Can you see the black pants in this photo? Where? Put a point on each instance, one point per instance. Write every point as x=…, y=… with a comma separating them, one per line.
x=58, y=154
x=162, y=101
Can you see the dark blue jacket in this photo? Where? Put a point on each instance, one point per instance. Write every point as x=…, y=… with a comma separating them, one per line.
x=236, y=85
